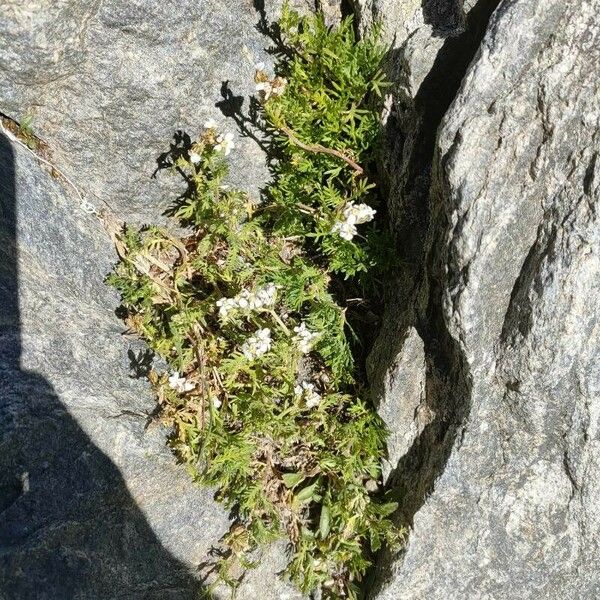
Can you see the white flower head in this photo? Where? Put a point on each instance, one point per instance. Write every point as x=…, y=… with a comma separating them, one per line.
x=216, y=402
x=346, y=230
x=353, y=215
x=180, y=384
x=358, y=213
x=225, y=143
x=278, y=86
x=266, y=89
x=210, y=124
x=195, y=157
x=260, y=66
x=266, y=295
x=306, y=391
x=225, y=305
x=257, y=344
x=246, y=300
x=304, y=338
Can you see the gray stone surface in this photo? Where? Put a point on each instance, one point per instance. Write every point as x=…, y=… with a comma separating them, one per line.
x=415, y=31
x=92, y=503
x=486, y=371
x=109, y=82
x=501, y=491
x=397, y=370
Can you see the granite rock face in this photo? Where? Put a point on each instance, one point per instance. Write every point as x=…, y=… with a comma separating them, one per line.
x=109, y=83
x=501, y=489
x=486, y=370
x=92, y=504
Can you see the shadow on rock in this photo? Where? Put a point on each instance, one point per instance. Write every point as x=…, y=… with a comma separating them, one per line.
x=418, y=206
x=69, y=528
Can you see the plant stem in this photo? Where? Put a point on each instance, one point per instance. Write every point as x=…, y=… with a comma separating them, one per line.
x=317, y=148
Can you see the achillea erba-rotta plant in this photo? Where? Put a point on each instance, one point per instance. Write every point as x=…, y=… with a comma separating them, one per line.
x=254, y=312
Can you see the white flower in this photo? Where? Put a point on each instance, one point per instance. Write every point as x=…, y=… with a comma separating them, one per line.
x=259, y=66
x=216, y=402
x=210, y=124
x=246, y=300
x=278, y=86
x=195, y=157
x=225, y=143
x=353, y=215
x=313, y=400
x=266, y=295
x=266, y=89
x=225, y=305
x=345, y=229
x=307, y=392
x=180, y=384
x=304, y=338
x=257, y=344
x=358, y=213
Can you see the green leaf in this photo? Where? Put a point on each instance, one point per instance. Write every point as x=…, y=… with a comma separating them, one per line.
x=324, y=522
x=387, y=509
x=292, y=479
x=306, y=494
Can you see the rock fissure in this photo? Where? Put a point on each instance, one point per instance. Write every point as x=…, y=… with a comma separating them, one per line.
x=420, y=197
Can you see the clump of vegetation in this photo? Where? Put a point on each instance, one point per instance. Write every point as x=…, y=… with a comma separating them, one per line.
x=254, y=311
x=23, y=131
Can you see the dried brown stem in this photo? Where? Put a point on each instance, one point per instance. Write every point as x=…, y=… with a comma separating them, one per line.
x=320, y=149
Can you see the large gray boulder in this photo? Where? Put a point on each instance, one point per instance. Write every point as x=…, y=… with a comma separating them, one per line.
x=109, y=83
x=92, y=503
x=500, y=491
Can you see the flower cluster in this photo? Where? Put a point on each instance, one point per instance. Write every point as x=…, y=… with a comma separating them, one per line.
x=225, y=143
x=268, y=87
x=257, y=344
x=222, y=143
x=180, y=384
x=353, y=215
x=307, y=392
x=304, y=338
x=263, y=298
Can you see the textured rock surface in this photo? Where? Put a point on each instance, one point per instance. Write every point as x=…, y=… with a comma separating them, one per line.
x=487, y=368
x=92, y=505
x=109, y=83
x=502, y=489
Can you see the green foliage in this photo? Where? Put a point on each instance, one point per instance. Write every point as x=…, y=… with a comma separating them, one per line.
x=250, y=309
x=26, y=133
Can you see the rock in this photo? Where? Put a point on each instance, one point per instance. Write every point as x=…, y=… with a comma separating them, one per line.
x=109, y=83
x=92, y=503
x=415, y=31
x=430, y=49
x=397, y=371
x=501, y=489
x=486, y=371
